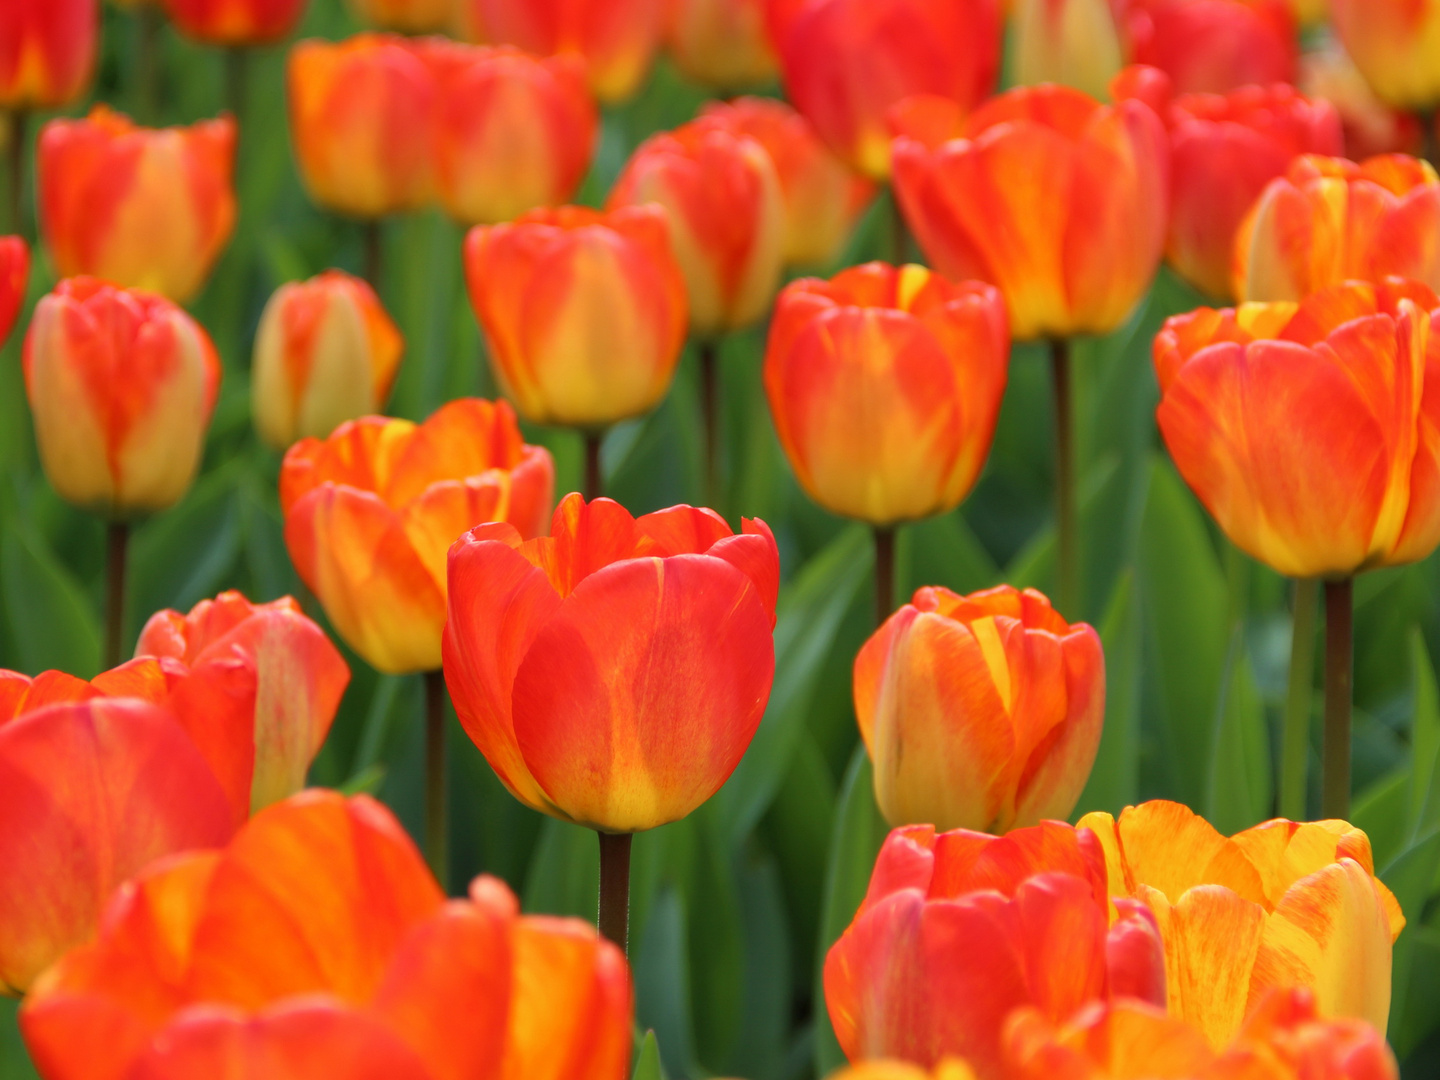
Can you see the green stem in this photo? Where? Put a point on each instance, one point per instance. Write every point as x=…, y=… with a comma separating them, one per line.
x=148, y=25
x=373, y=254
x=118, y=543
x=1339, y=683
x=614, y=917
x=1066, y=517
x=710, y=418
x=594, y=474
x=884, y=573
x=437, y=801
x=237, y=83
x=899, y=231
x=1295, y=739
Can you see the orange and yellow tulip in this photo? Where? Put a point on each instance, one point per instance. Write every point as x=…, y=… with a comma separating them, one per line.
x=1328, y=220
x=885, y=386
x=847, y=62
x=406, y=16
x=122, y=384
x=722, y=44
x=140, y=207
x=1396, y=45
x=980, y=712
x=1371, y=126
x=722, y=196
x=1311, y=433
x=371, y=511
x=585, y=313
x=614, y=671
x=317, y=944
x=325, y=352
x=823, y=196
x=235, y=22
x=1071, y=42
x=14, y=275
x=948, y=1069
x=47, y=51
x=1212, y=46
x=1280, y=905
x=1058, y=200
x=959, y=929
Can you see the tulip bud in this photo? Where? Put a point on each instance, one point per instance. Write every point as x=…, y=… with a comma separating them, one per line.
x=325, y=352
x=405, y=16
x=1212, y=46
x=584, y=313
x=47, y=51
x=722, y=44
x=885, y=387
x=1371, y=126
x=122, y=384
x=235, y=22
x=727, y=218
x=1071, y=42
x=1396, y=45
x=14, y=273
x=141, y=207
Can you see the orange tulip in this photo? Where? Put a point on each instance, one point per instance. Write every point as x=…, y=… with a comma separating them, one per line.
x=959, y=929
x=613, y=672
x=1371, y=126
x=1059, y=201
x=885, y=387
x=1212, y=46
x=1311, y=434
x=325, y=352
x=1396, y=44
x=143, y=208
x=122, y=384
x=616, y=38
x=846, y=62
x=1328, y=220
x=585, y=313
x=1287, y=1035
x=823, y=196
x=371, y=511
x=235, y=22
x=47, y=51
x=14, y=273
x=90, y=793
x=362, y=120
x=949, y=1069
x=1282, y=904
x=727, y=218
x=317, y=944
x=406, y=16
x=1071, y=42
x=721, y=44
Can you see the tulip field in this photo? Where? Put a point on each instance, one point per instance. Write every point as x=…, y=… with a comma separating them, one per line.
x=768, y=539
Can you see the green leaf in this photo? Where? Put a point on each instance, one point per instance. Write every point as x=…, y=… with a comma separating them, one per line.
x=943, y=551
x=564, y=876
x=14, y=1058
x=1115, y=778
x=50, y=620
x=1424, y=741
x=1381, y=811
x=660, y=962
x=647, y=1060
x=1410, y=877
x=1413, y=1016
x=1239, y=791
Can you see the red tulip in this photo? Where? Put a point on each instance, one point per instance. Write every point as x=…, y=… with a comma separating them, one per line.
x=235, y=22
x=1212, y=46
x=14, y=274
x=47, y=51
x=722, y=44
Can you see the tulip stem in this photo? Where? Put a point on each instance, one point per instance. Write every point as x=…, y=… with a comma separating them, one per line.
x=1430, y=126
x=437, y=801
x=237, y=65
x=148, y=25
x=118, y=543
x=15, y=171
x=1295, y=739
x=884, y=573
x=614, y=918
x=594, y=474
x=1339, y=681
x=1066, y=524
x=372, y=241
x=710, y=405
x=899, y=231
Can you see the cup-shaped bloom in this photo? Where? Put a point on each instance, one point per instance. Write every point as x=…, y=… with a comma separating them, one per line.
x=141, y=207
x=1328, y=220
x=325, y=352
x=122, y=384
x=585, y=313
x=362, y=123
x=617, y=39
x=1312, y=435
x=885, y=386
x=613, y=672
x=513, y=131
x=1396, y=45
x=1073, y=42
x=1372, y=127
x=723, y=200
x=316, y=943
x=1283, y=904
x=1059, y=201
x=47, y=51
x=371, y=511
x=235, y=22
x=847, y=62
x=406, y=16
x=14, y=275
x=981, y=712
x=1212, y=46
x=723, y=44
x=823, y=196
x=959, y=929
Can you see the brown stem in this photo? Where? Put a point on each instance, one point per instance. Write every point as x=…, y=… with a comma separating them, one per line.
x=1339, y=687
x=237, y=65
x=710, y=407
x=15, y=162
x=884, y=573
x=118, y=542
x=1430, y=133
x=594, y=474
x=899, y=231
x=374, y=253
x=437, y=801
x=614, y=918
x=1066, y=523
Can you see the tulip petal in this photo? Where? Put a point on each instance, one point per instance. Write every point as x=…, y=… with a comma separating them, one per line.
x=1169, y=848
x=966, y=861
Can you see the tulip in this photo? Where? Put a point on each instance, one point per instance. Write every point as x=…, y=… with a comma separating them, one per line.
x=959, y=929
x=362, y=120
x=584, y=312
x=47, y=51
x=14, y=273
x=371, y=511
x=823, y=196
x=616, y=38
x=143, y=208
x=1396, y=45
x=122, y=384
x=1328, y=220
x=314, y=944
x=846, y=62
x=406, y=16
x=1282, y=904
x=949, y=1069
x=1073, y=42
x=235, y=22
x=885, y=387
x=1212, y=46
x=325, y=352
x=1371, y=126
x=721, y=44
x=1286, y=1033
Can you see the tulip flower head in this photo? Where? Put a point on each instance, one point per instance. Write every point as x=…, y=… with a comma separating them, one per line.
x=122, y=384
x=1212, y=46
x=47, y=51
x=1280, y=905
x=1071, y=42
x=405, y=16
x=885, y=386
x=371, y=511
x=722, y=44
x=613, y=672
x=235, y=22
x=1396, y=45
x=585, y=312
x=949, y=1069
x=141, y=207
x=1311, y=433
x=325, y=352
x=1371, y=126
x=14, y=274
x=317, y=944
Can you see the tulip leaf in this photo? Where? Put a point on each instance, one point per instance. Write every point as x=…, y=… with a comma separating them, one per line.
x=50, y=620
x=660, y=962
x=1239, y=791
x=647, y=1059
x=1410, y=877
x=1381, y=810
x=943, y=551
x=1115, y=778
x=14, y=1061
x=1424, y=740
x=564, y=875
x=1413, y=1016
